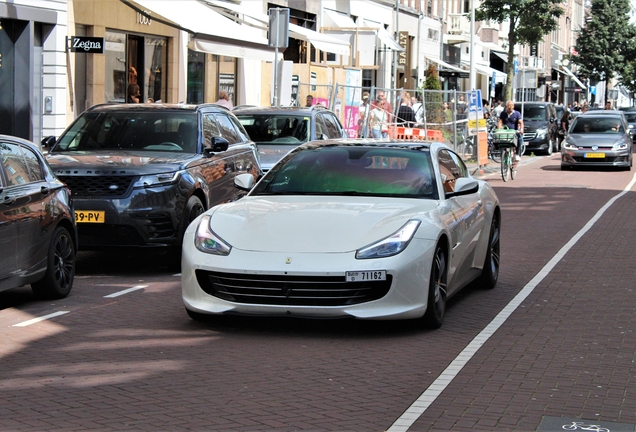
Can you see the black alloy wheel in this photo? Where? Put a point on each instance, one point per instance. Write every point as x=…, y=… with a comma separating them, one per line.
x=490, y=272
x=436, y=307
x=60, y=270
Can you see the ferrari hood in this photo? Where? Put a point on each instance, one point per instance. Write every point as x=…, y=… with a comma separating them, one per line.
x=303, y=225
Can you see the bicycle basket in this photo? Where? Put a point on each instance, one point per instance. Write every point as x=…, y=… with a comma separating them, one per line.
x=504, y=138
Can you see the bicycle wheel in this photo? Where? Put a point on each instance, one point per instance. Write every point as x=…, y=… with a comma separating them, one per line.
x=495, y=155
x=505, y=164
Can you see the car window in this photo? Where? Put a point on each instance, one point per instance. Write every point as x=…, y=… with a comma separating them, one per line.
x=276, y=128
x=533, y=112
x=210, y=129
x=597, y=125
x=451, y=168
x=239, y=129
x=228, y=131
x=15, y=164
x=321, y=128
x=350, y=170
x=125, y=130
x=332, y=125
x=33, y=162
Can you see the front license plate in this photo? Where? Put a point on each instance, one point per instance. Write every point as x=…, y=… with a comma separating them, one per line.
x=363, y=276
x=594, y=155
x=90, y=216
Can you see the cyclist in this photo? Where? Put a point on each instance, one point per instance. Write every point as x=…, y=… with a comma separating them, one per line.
x=513, y=120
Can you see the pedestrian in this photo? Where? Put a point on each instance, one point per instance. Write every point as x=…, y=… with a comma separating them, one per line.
x=405, y=114
x=585, y=107
x=310, y=101
x=387, y=106
x=378, y=120
x=448, y=114
x=224, y=100
x=134, y=94
x=564, y=125
x=418, y=109
x=497, y=110
x=462, y=108
x=362, y=112
x=608, y=105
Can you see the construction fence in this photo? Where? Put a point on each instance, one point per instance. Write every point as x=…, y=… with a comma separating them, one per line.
x=440, y=115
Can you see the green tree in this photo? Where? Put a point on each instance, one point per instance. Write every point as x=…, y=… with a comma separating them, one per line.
x=433, y=99
x=530, y=21
x=604, y=42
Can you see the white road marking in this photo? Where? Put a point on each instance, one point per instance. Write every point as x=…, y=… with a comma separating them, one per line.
x=42, y=318
x=126, y=291
x=410, y=416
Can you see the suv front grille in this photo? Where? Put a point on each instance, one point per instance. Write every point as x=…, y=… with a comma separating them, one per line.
x=290, y=290
x=98, y=186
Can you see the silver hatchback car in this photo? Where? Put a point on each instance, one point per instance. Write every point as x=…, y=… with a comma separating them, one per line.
x=598, y=139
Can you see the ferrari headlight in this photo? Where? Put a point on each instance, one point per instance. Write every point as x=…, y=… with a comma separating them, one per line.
x=207, y=241
x=391, y=245
x=154, y=180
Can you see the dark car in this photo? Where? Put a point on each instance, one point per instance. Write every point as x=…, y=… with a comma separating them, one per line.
x=540, y=124
x=277, y=130
x=630, y=115
x=598, y=138
x=140, y=173
x=38, y=238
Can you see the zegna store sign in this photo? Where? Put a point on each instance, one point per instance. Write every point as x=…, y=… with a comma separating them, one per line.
x=87, y=44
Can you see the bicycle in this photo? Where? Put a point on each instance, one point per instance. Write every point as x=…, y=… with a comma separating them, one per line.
x=505, y=140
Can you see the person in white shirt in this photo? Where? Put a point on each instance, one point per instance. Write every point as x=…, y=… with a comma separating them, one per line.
x=418, y=109
x=224, y=100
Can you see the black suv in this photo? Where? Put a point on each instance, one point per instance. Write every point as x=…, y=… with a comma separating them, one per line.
x=540, y=126
x=277, y=130
x=140, y=173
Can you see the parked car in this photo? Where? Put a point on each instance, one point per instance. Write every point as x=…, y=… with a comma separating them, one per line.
x=277, y=130
x=598, y=138
x=140, y=173
x=630, y=115
x=541, y=126
x=346, y=228
x=38, y=238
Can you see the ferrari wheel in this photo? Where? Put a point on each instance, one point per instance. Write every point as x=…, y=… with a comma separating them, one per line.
x=490, y=272
x=436, y=306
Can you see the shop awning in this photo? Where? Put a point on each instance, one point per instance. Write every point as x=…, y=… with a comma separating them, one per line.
x=320, y=41
x=384, y=35
x=574, y=77
x=500, y=77
x=211, y=32
x=445, y=65
x=502, y=56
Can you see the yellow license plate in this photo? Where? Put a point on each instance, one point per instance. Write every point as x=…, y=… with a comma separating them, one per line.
x=594, y=155
x=90, y=216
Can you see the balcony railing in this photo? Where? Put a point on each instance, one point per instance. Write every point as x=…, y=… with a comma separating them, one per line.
x=458, y=24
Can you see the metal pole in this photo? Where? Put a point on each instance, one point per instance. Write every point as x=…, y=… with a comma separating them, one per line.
x=276, y=62
x=397, y=37
x=473, y=77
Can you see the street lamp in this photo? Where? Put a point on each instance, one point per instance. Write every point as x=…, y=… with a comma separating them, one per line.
x=472, y=75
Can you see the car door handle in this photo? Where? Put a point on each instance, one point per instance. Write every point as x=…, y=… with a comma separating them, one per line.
x=8, y=200
x=480, y=203
x=44, y=190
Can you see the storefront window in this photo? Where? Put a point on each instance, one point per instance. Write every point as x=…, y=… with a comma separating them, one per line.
x=115, y=53
x=145, y=60
x=196, y=77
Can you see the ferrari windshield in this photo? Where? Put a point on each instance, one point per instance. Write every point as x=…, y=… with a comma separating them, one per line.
x=352, y=170
x=276, y=129
x=150, y=131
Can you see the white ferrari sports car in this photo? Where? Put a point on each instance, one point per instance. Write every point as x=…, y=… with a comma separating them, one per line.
x=369, y=229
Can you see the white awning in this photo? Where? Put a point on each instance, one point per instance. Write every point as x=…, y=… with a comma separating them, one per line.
x=339, y=19
x=503, y=56
x=197, y=18
x=500, y=77
x=384, y=35
x=445, y=65
x=229, y=49
x=574, y=77
x=320, y=41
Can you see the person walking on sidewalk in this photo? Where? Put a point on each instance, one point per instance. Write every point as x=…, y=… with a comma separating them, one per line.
x=512, y=118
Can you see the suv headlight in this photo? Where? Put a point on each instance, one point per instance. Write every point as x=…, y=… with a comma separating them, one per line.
x=154, y=180
x=207, y=241
x=620, y=145
x=391, y=245
x=541, y=133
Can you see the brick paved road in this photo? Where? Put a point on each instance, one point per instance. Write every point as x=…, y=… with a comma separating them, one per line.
x=136, y=362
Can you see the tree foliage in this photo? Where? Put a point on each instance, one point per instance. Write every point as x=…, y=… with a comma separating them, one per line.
x=604, y=43
x=433, y=100
x=529, y=20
